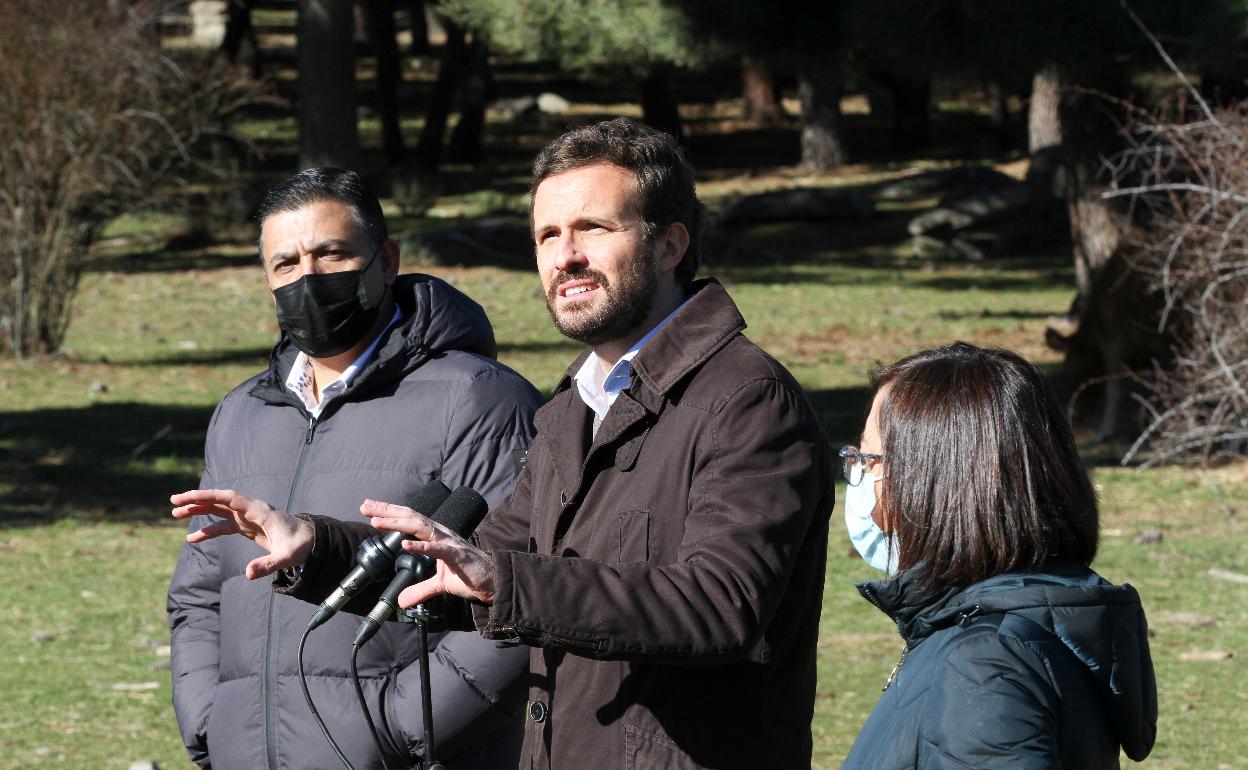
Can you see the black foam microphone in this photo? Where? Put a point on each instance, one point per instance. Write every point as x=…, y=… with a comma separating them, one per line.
x=461, y=513
x=375, y=557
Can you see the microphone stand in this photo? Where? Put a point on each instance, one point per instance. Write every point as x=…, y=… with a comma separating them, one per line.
x=423, y=615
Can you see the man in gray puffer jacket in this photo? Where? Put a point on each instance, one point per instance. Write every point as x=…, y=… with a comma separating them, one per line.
x=378, y=385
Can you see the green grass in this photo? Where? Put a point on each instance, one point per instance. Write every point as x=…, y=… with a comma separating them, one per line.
x=86, y=549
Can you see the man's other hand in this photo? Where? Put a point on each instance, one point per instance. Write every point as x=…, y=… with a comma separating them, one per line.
x=463, y=569
x=286, y=537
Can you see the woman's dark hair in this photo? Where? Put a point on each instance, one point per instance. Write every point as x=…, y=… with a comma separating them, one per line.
x=314, y=185
x=664, y=191
x=981, y=471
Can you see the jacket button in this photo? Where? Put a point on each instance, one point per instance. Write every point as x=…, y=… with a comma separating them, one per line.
x=563, y=497
x=537, y=711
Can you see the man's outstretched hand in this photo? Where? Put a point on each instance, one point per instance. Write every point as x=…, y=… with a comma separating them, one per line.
x=463, y=569
x=286, y=537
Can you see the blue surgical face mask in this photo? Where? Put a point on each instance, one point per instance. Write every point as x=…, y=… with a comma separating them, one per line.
x=877, y=548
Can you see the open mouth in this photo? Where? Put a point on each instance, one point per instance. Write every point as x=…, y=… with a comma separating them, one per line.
x=574, y=289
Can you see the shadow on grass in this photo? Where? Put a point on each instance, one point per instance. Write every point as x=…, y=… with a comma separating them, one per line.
x=1018, y=315
x=842, y=412
x=114, y=462
x=172, y=261
x=257, y=355
x=567, y=347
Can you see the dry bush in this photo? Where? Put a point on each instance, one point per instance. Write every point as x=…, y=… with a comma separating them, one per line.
x=95, y=120
x=1188, y=170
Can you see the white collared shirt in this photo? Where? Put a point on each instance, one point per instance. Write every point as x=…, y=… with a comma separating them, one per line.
x=301, y=380
x=599, y=389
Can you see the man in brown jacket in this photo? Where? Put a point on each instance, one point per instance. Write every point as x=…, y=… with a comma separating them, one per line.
x=663, y=551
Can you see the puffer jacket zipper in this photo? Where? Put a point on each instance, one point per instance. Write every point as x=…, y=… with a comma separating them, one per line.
x=270, y=645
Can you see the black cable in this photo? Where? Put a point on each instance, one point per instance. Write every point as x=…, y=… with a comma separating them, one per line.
x=303, y=682
x=368, y=717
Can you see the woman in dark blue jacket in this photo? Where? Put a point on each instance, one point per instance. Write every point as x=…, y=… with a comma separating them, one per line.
x=968, y=489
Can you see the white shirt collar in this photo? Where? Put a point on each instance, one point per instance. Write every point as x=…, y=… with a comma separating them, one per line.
x=599, y=389
x=300, y=380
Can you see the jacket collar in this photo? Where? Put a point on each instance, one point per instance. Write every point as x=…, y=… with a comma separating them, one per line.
x=920, y=611
x=705, y=323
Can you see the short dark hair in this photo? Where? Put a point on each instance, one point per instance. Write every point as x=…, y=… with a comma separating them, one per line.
x=664, y=192
x=314, y=185
x=982, y=475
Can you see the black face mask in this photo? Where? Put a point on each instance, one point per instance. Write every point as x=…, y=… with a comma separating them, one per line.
x=326, y=314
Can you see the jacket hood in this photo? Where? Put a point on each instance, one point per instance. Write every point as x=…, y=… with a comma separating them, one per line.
x=1103, y=626
x=437, y=318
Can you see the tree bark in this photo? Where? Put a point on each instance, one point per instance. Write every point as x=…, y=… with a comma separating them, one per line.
x=419, y=26
x=450, y=70
x=912, y=124
x=467, y=139
x=658, y=103
x=1044, y=125
x=1001, y=122
x=325, y=57
x=819, y=85
x=379, y=15
x=760, y=102
x=1103, y=334
x=240, y=45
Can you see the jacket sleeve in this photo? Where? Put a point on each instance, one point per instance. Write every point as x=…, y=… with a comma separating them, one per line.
x=334, y=546
x=477, y=684
x=755, y=491
x=489, y=434
x=193, y=605
x=991, y=704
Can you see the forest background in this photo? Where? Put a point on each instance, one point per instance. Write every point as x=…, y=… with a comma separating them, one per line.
x=1064, y=179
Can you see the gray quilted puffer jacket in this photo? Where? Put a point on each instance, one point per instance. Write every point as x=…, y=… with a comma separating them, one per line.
x=432, y=404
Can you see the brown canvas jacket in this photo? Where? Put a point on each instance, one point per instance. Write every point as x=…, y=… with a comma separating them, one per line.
x=669, y=573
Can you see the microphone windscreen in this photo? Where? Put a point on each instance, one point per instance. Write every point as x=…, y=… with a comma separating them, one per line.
x=429, y=498
x=462, y=511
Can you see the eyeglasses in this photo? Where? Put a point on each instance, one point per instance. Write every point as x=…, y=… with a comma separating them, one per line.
x=854, y=464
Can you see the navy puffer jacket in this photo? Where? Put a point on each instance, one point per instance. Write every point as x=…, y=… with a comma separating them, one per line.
x=1043, y=669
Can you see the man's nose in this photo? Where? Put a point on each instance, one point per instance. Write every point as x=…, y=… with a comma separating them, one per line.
x=308, y=264
x=569, y=256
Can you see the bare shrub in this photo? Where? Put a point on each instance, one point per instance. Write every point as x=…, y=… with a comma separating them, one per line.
x=1188, y=170
x=95, y=120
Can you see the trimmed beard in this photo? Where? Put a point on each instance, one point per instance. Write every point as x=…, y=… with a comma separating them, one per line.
x=625, y=307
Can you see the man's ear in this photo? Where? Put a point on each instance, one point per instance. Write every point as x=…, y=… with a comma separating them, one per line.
x=674, y=243
x=389, y=257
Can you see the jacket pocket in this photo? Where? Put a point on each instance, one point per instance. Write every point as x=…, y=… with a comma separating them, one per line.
x=649, y=750
x=634, y=537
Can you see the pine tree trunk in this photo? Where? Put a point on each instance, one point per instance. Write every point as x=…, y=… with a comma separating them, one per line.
x=1102, y=334
x=1044, y=125
x=819, y=85
x=467, y=139
x=240, y=45
x=419, y=26
x=450, y=70
x=658, y=103
x=379, y=15
x=1001, y=122
x=325, y=57
x=760, y=102
x=912, y=124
